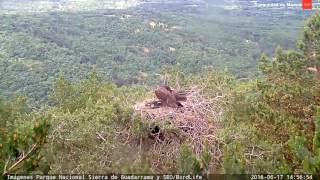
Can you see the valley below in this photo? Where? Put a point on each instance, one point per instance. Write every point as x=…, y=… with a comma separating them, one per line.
x=132, y=45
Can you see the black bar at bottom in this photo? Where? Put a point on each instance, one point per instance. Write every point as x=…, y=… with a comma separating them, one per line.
x=163, y=177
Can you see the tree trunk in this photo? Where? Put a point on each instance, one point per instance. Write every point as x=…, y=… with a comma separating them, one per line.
x=318, y=73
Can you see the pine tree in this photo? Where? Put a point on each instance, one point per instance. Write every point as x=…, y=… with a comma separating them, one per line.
x=310, y=44
x=292, y=92
x=279, y=112
x=20, y=142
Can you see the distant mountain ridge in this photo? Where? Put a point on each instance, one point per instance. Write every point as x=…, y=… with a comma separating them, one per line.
x=64, y=5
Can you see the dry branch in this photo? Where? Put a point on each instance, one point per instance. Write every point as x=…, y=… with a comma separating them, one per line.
x=24, y=157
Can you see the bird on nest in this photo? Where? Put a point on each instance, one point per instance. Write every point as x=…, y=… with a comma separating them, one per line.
x=169, y=97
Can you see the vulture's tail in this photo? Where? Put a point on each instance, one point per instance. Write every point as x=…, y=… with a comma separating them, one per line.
x=180, y=96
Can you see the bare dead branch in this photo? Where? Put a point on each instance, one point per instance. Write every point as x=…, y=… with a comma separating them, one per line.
x=34, y=146
x=100, y=136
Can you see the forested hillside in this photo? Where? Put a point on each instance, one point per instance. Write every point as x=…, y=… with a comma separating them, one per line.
x=132, y=46
x=73, y=82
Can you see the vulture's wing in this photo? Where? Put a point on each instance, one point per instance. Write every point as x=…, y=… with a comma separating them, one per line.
x=166, y=97
x=180, y=96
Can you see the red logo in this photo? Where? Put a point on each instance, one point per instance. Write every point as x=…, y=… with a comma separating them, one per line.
x=306, y=4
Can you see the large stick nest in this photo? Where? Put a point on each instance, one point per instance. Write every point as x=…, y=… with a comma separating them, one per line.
x=196, y=123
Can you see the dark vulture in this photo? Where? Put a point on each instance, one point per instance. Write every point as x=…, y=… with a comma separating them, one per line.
x=180, y=96
x=169, y=97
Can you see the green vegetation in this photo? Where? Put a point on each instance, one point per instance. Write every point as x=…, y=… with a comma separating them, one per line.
x=123, y=47
x=22, y=138
x=85, y=72
x=275, y=118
